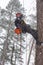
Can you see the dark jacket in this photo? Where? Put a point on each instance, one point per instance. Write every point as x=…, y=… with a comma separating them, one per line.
x=25, y=28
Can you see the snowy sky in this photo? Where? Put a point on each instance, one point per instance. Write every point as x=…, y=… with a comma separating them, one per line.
x=3, y=3
x=28, y=4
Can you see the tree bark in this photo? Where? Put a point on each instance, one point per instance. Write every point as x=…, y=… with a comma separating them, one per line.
x=40, y=20
x=39, y=48
x=39, y=55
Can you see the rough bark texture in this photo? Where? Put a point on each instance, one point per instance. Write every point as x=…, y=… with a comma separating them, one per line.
x=39, y=48
x=40, y=19
x=39, y=55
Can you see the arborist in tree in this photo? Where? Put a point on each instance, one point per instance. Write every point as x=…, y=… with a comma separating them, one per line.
x=20, y=23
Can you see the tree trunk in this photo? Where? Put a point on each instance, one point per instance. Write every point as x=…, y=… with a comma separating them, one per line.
x=40, y=19
x=39, y=48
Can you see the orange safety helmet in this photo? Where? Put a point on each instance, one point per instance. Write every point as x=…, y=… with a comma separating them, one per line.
x=18, y=31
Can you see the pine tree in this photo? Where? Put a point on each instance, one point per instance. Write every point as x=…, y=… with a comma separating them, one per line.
x=8, y=20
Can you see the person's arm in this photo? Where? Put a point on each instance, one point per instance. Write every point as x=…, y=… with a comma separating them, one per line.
x=16, y=23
